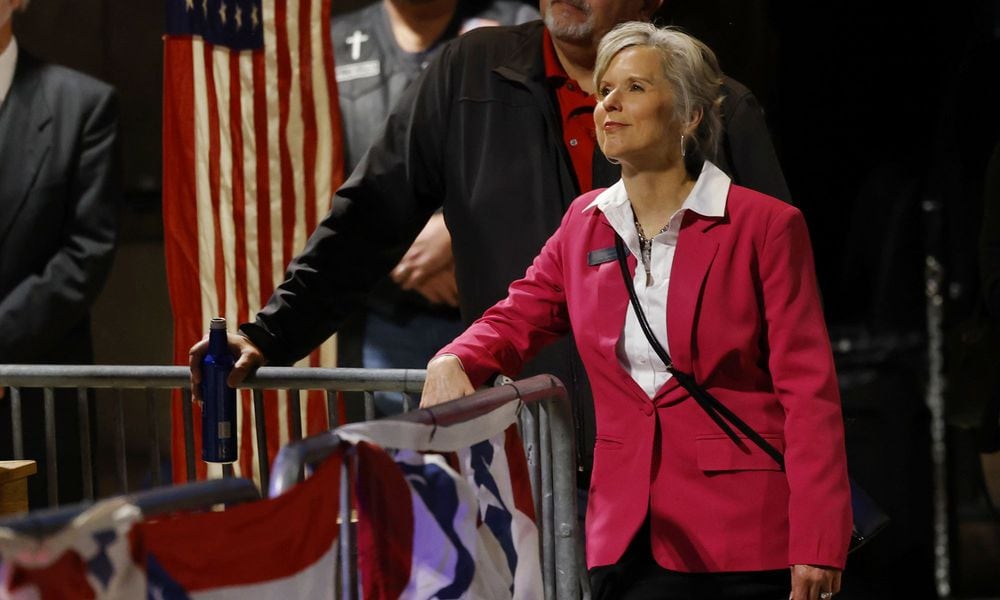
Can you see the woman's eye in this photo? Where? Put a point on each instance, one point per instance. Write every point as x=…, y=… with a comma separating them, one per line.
x=636, y=87
x=604, y=91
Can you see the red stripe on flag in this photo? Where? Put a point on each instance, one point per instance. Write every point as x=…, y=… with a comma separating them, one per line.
x=284, y=92
x=308, y=113
x=246, y=457
x=520, y=481
x=263, y=177
x=180, y=223
x=239, y=193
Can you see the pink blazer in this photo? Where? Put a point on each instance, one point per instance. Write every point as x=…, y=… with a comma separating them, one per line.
x=744, y=317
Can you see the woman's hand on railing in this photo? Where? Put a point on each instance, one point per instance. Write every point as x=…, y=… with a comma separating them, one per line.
x=446, y=380
x=248, y=359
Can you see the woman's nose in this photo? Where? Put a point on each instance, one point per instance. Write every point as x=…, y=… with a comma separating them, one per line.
x=610, y=102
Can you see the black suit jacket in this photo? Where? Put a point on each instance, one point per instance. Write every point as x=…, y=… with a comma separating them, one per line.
x=59, y=191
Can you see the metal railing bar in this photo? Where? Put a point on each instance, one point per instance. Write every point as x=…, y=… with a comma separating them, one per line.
x=154, y=437
x=228, y=472
x=121, y=461
x=158, y=501
x=177, y=377
x=348, y=380
x=369, y=406
x=17, y=434
x=261, y=433
x=547, y=499
x=51, y=453
x=347, y=571
x=569, y=554
x=295, y=414
x=187, y=412
x=408, y=403
x=529, y=435
x=331, y=409
x=86, y=468
x=193, y=496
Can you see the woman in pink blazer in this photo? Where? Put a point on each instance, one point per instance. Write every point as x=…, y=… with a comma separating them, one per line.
x=725, y=277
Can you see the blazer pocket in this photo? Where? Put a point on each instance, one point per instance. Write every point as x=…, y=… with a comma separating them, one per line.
x=608, y=443
x=717, y=452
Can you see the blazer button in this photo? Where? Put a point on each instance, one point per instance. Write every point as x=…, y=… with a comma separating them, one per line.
x=647, y=409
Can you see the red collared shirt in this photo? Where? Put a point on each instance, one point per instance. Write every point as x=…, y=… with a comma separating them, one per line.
x=577, y=110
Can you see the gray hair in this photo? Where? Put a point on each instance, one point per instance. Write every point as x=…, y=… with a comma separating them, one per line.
x=691, y=70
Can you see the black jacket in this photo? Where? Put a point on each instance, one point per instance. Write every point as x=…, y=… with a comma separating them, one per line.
x=480, y=134
x=59, y=196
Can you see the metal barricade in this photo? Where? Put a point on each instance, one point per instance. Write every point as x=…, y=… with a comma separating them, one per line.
x=547, y=434
x=198, y=495
x=546, y=429
x=162, y=379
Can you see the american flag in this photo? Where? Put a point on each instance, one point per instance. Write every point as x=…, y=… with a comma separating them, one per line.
x=251, y=158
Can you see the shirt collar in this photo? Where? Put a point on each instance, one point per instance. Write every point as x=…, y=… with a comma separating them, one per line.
x=707, y=197
x=8, y=60
x=553, y=68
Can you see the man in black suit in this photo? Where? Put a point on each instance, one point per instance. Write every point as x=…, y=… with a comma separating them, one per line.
x=58, y=227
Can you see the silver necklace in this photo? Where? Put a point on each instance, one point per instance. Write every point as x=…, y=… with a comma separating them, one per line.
x=646, y=248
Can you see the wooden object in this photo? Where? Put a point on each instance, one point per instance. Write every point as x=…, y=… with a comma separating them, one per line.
x=14, y=485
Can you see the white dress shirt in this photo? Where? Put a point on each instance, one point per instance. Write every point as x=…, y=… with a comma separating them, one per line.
x=8, y=60
x=707, y=198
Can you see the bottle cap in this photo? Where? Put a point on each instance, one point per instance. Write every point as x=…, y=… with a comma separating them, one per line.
x=217, y=323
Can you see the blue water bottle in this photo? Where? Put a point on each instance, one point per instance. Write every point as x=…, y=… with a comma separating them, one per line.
x=218, y=409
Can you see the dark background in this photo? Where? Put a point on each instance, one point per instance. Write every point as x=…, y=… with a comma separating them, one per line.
x=878, y=110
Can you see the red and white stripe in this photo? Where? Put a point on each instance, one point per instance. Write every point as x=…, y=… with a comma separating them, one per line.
x=251, y=161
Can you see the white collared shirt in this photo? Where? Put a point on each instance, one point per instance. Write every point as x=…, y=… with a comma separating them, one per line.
x=8, y=60
x=707, y=198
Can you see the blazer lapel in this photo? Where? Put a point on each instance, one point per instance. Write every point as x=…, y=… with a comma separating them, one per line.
x=695, y=253
x=26, y=139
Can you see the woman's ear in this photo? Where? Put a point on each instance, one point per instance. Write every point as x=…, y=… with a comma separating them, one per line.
x=692, y=125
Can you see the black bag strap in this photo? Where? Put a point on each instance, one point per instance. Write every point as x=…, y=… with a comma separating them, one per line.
x=718, y=411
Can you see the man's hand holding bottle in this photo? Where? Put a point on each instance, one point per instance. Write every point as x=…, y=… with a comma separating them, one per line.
x=248, y=359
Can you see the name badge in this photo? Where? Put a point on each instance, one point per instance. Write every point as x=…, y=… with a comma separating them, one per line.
x=599, y=257
x=359, y=70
